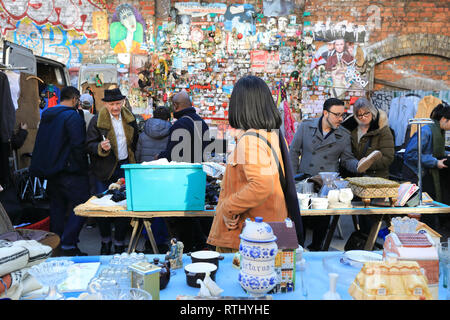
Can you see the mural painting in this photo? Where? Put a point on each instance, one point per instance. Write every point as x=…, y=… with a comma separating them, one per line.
x=126, y=32
x=49, y=41
x=69, y=14
x=100, y=24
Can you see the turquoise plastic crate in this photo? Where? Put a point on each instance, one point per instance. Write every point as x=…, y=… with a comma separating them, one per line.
x=165, y=188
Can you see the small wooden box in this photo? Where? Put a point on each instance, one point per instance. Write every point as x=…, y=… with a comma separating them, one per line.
x=145, y=276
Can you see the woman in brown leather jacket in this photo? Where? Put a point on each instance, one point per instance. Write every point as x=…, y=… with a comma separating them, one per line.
x=251, y=184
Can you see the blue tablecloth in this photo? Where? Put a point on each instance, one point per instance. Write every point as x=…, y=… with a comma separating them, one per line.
x=316, y=277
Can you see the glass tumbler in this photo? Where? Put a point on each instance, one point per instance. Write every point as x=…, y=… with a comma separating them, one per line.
x=444, y=261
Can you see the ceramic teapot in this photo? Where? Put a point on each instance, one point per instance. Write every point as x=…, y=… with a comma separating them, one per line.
x=258, y=250
x=164, y=274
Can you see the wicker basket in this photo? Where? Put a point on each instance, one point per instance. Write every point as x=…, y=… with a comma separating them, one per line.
x=373, y=187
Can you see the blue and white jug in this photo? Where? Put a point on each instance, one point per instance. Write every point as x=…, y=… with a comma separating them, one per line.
x=258, y=250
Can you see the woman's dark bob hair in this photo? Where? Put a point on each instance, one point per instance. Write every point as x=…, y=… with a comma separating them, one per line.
x=252, y=106
x=442, y=110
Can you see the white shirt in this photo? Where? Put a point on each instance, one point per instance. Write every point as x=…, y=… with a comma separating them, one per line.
x=122, y=150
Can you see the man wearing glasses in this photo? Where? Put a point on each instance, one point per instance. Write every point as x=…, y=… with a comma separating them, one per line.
x=59, y=156
x=111, y=141
x=324, y=145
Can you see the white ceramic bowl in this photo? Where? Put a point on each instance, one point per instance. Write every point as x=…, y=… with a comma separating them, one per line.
x=319, y=203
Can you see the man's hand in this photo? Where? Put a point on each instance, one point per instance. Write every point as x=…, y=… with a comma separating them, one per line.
x=440, y=164
x=106, y=145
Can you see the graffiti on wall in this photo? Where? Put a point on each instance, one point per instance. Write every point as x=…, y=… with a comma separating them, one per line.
x=69, y=14
x=50, y=41
x=126, y=32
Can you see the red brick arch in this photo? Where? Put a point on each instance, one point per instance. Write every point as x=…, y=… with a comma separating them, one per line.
x=397, y=46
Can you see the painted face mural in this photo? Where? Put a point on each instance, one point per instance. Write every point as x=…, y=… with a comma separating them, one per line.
x=127, y=32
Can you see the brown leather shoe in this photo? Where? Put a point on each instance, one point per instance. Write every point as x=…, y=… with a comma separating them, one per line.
x=366, y=163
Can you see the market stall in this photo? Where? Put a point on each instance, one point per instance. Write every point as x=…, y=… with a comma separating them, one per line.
x=315, y=277
x=91, y=210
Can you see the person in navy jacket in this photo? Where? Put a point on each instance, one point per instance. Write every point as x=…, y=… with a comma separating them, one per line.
x=59, y=155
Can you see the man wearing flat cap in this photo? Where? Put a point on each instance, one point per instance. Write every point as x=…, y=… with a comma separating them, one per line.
x=111, y=141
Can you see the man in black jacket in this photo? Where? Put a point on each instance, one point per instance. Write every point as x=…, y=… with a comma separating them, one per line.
x=188, y=139
x=111, y=141
x=60, y=156
x=193, y=131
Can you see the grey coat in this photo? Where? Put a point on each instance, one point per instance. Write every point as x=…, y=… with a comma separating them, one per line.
x=153, y=140
x=319, y=155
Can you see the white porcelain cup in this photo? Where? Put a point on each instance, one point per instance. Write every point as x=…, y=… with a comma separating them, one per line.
x=333, y=196
x=319, y=203
x=345, y=195
x=303, y=200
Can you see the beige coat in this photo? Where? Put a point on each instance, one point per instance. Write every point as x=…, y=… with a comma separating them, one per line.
x=424, y=108
x=250, y=188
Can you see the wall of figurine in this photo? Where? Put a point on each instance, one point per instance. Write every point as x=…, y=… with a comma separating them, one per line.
x=206, y=48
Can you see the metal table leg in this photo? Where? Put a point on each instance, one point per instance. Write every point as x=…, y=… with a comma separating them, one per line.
x=330, y=233
x=372, y=238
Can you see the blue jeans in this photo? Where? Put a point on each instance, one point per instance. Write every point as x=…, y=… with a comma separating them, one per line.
x=121, y=225
x=66, y=191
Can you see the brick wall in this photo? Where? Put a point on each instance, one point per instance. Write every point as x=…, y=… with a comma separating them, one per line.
x=386, y=19
x=394, y=20
x=431, y=69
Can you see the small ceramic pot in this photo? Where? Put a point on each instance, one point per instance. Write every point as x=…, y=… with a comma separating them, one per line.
x=198, y=270
x=345, y=195
x=206, y=256
x=333, y=196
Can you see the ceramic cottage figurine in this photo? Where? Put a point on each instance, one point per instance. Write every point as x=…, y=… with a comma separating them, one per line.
x=390, y=280
x=286, y=258
x=258, y=250
x=410, y=245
